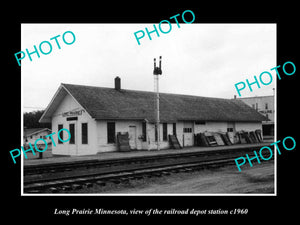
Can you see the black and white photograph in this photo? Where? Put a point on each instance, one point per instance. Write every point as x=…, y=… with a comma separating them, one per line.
x=159, y=117
x=149, y=111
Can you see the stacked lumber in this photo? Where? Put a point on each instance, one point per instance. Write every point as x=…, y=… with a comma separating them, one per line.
x=174, y=142
x=226, y=138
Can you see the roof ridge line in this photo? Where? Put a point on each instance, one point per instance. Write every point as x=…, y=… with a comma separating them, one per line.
x=163, y=93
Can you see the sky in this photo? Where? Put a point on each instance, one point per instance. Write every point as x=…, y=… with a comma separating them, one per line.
x=197, y=59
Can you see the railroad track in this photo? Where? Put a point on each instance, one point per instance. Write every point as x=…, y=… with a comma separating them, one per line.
x=121, y=174
x=69, y=166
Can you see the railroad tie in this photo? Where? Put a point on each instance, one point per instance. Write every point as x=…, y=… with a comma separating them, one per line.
x=124, y=179
x=100, y=183
x=35, y=191
x=88, y=184
x=166, y=173
x=157, y=174
x=53, y=189
x=115, y=181
x=139, y=177
x=76, y=186
x=66, y=188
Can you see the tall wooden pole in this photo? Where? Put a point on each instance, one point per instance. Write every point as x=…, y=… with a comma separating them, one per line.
x=157, y=71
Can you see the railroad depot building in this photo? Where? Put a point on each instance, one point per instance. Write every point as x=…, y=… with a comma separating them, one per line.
x=96, y=115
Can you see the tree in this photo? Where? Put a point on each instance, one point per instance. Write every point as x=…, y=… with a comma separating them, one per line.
x=31, y=120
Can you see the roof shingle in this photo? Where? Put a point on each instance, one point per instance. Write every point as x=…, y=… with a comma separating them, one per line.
x=108, y=103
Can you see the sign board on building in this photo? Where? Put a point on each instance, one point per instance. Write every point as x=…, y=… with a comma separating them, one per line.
x=73, y=113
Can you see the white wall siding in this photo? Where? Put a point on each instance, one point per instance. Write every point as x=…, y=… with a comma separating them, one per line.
x=69, y=104
x=247, y=126
x=222, y=126
x=211, y=127
x=120, y=126
x=97, y=131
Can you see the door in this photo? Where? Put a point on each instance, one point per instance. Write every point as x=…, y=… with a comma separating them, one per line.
x=132, y=137
x=188, y=134
x=231, y=131
x=73, y=142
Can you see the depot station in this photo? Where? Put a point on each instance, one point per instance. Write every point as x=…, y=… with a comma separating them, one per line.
x=102, y=119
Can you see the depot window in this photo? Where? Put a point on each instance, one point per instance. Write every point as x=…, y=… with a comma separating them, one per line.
x=111, y=127
x=144, y=127
x=165, y=131
x=187, y=130
x=61, y=134
x=174, y=128
x=72, y=132
x=84, y=133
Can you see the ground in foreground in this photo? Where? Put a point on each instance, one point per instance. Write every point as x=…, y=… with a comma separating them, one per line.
x=258, y=179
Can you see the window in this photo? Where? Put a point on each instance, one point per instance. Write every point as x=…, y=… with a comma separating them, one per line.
x=144, y=126
x=187, y=130
x=199, y=122
x=230, y=126
x=174, y=129
x=111, y=127
x=61, y=134
x=84, y=133
x=165, y=131
x=266, y=106
x=229, y=129
x=72, y=132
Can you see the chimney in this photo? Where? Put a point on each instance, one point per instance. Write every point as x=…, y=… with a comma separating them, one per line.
x=118, y=83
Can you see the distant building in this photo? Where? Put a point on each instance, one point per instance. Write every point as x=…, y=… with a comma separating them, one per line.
x=30, y=135
x=265, y=106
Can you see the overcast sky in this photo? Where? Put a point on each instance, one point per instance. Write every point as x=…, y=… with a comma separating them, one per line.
x=197, y=59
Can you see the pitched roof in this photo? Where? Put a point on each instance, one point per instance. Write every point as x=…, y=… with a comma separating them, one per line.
x=108, y=103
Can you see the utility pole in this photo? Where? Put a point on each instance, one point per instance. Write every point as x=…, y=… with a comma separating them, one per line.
x=156, y=72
